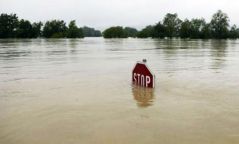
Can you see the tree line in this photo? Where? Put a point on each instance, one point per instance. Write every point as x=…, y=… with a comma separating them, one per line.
x=12, y=27
x=172, y=26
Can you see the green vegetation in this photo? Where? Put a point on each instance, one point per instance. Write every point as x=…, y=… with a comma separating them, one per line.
x=91, y=32
x=219, y=25
x=54, y=29
x=36, y=29
x=73, y=31
x=115, y=32
x=11, y=27
x=8, y=25
x=157, y=31
x=130, y=32
x=196, y=28
x=171, y=26
x=27, y=30
x=146, y=32
x=120, y=32
x=234, y=32
x=185, y=30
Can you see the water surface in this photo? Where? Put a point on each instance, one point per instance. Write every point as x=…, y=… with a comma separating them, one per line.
x=67, y=91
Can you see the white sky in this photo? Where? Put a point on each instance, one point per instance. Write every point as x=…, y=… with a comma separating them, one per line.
x=104, y=13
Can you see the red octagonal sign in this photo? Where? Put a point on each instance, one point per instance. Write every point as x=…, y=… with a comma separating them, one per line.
x=142, y=76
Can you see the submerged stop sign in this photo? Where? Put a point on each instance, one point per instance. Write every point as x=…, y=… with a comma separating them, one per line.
x=142, y=76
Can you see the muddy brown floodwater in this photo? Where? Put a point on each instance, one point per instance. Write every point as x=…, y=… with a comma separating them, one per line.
x=78, y=91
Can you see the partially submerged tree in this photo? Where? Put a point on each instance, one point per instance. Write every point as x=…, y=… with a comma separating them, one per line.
x=36, y=29
x=54, y=29
x=24, y=29
x=73, y=31
x=115, y=32
x=8, y=25
x=172, y=25
x=197, y=26
x=206, y=32
x=91, y=32
x=146, y=32
x=219, y=25
x=234, y=32
x=159, y=31
x=185, y=30
x=130, y=32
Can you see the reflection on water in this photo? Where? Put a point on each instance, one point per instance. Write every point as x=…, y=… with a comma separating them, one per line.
x=143, y=96
x=68, y=91
x=218, y=52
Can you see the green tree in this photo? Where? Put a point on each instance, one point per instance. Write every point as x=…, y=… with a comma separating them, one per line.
x=197, y=26
x=91, y=32
x=172, y=25
x=55, y=29
x=206, y=32
x=24, y=29
x=159, y=31
x=27, y=30
x=8, y=25
x=115, y=32
x=234, y=32
x=73, y=31
x=36, y=29
x=185, y=30
x=130, y=32
x=219, y=25
x=146, y=32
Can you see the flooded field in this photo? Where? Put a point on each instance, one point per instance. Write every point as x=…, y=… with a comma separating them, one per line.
x=68, y=91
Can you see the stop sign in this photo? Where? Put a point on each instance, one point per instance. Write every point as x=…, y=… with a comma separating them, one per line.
x=142, y=76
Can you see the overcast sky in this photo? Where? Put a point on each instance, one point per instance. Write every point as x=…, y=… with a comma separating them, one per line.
x=104, y=13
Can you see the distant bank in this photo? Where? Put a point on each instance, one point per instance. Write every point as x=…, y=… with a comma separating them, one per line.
x=171, y=26
x=12, y=27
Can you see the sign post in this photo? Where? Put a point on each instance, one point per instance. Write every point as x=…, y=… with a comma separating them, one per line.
x=142, y=75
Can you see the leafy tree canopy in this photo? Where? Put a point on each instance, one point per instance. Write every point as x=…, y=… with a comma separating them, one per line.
x=24, y=29
x=146, y=32
x=55, y=29
x=91, y=32
x=8, y=25
x=130, y=32
x=220, y=24
x=73, y=31
x=172, y=24
x=115, y=32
